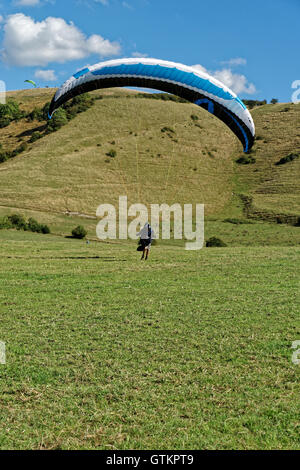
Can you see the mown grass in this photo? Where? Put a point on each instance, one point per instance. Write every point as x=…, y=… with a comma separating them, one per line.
x=189, y=350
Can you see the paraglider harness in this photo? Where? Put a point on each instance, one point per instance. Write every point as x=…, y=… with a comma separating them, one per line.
x=145, y=242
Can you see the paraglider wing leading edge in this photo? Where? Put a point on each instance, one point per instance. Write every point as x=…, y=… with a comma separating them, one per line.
x=31, y=82
x=191, y=84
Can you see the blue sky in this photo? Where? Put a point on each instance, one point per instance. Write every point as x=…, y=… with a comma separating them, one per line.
x=252, y=46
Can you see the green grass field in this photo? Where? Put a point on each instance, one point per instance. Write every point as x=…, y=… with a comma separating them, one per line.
x=190, y=350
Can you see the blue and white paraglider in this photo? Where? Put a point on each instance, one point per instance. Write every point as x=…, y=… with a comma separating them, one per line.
x=186, y=82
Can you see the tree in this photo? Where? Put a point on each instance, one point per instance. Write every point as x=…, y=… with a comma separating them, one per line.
x=79, y=232
x=9, y=112
x=59, y=120
x=274, y=101
x=214, y=241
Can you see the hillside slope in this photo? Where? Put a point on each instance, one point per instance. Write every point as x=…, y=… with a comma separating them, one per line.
x=274, y=189
x=165, y=152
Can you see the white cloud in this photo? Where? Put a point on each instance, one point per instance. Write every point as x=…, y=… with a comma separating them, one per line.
x=27, y=3
x=139, y=54
x=200, y=68
x=30, y=43
x=1, y=19
x=127, y=5
x=234, y=62
x=45, y=75
x=236, y=82
x=106, y=3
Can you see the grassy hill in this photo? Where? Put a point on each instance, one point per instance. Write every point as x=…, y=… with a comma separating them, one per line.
x=165, y=152
x=275, y=189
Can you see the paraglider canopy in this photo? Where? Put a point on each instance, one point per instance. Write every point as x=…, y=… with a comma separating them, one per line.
x=186, y=82
x=32, y=83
